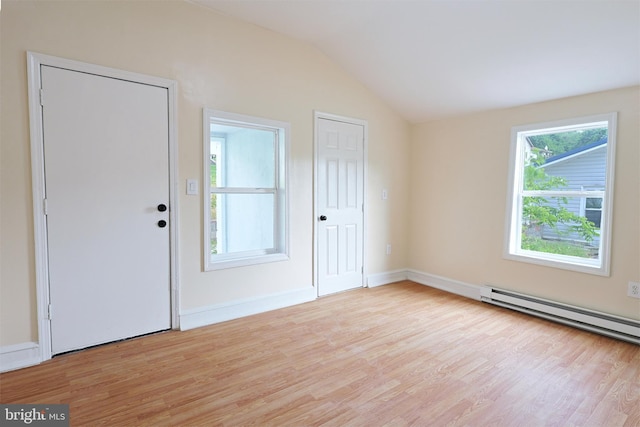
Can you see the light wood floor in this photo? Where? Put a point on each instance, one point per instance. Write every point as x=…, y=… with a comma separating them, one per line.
x=401, y=354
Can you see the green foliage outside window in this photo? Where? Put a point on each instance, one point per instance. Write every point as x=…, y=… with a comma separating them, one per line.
x=213, y=207
x=561, y=142
x=538, y=212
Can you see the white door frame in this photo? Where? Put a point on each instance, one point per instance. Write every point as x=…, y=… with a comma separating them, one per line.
x=321, y=115
x=34, y=61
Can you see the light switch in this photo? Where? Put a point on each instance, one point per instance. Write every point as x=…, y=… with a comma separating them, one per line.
x=192, y=187
x=384, y=194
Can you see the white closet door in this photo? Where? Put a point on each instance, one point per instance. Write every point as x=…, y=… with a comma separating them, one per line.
x=106, y=173
x=340, y=166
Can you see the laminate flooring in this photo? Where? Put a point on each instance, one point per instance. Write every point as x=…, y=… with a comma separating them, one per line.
x=396, y=355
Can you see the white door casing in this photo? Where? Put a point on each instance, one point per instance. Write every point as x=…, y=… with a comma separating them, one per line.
x=339, y=212
x=105, y=268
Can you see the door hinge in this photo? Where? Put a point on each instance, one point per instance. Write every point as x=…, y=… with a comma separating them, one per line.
x=50, y=312
x=45, y=206
x=42, y=97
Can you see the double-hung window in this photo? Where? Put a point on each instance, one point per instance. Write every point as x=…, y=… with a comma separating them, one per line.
x=245, y=190
x=559, y=207
x=591, y=208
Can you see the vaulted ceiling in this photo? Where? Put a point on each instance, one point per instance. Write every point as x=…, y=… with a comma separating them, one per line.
x=430, y=59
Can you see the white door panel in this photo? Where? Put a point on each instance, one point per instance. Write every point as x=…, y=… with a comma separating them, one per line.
x=340, y=166
x=106, y=172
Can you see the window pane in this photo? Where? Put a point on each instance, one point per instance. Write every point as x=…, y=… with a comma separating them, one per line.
x=242, y=222
x=213, y=224
x=554, y=225
x=537, y=178
x=246, y=157
x=594, y=203
x=595, y=216
x=215, y=153
x=566, y=160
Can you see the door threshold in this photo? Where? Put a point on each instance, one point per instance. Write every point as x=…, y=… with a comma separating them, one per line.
x=111, y=342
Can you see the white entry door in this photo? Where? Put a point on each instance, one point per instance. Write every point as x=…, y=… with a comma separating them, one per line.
x=107, y=199
x=340, y=211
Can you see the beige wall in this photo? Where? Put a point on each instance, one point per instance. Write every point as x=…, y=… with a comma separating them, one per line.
x=455, y=180
x=459, y=175
x=219, y=63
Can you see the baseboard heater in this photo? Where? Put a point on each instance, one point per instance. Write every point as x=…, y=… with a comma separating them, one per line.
x=606, y=324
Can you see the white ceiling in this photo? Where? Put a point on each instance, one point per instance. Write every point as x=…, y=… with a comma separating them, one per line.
x=431, y=59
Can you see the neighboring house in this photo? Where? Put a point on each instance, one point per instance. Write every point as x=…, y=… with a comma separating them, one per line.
x=583, y=168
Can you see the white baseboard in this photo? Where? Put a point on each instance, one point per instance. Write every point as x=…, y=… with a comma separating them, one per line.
x=449, y=285
x=19, y=356
x=443, y=283
x=209, y=315
x=385, y=278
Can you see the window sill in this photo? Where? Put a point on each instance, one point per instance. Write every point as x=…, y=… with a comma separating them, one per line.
x=211, y=265
x=563, y=262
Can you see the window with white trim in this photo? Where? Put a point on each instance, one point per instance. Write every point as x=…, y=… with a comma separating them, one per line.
x=560, y=193
x=245, y=190
x=591, y=208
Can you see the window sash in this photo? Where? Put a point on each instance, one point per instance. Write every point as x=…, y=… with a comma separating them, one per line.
x=558, y=193
x=232, y=190
x=221, y=164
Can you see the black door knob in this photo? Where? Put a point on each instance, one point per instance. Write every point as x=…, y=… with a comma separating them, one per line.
x=323, y=217
x=162, y=223
x=162, y=207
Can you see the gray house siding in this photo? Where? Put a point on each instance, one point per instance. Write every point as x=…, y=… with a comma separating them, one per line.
x=583, y=171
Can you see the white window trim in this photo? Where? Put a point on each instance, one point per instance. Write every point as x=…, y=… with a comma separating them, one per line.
x=512, y=243
x=281, y=216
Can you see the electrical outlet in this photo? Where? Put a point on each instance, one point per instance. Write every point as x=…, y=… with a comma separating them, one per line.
x=634, y=290
x=388, y=248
